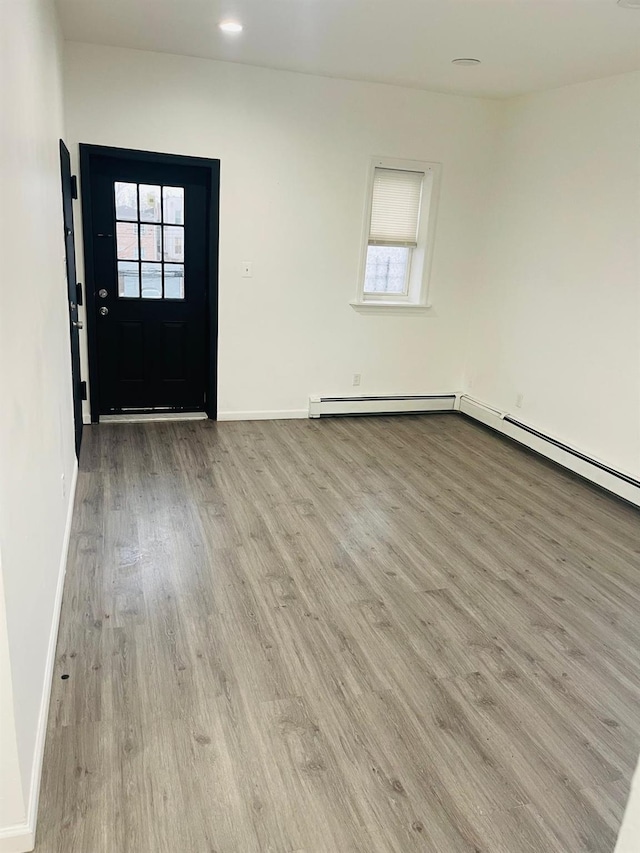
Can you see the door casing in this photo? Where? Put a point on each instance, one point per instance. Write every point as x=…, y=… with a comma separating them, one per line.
x=74, y=290
x=87, y=153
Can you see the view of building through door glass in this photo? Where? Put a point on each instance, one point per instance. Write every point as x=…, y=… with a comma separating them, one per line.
x=149, y=241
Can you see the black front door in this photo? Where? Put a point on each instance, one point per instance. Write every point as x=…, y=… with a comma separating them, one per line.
x=149, y=219
x=74, y=293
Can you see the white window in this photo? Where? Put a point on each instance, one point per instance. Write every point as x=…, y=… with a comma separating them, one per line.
x=399, y=230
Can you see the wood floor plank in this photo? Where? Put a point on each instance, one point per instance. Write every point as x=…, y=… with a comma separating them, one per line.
x=375, y=635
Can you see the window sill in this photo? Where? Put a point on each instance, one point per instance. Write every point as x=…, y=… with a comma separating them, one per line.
x=391, y=307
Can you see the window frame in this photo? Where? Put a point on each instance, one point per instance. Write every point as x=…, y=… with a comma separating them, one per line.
x=160, y=225
x=420, y=257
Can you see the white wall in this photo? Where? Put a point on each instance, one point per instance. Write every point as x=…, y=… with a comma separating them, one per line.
x=629, y=836
x=294, y=153
x=556, y=315
x=13, y=812
x=36, y=419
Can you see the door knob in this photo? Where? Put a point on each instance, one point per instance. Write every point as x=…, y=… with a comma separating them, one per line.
x=103, y=310
x=102, y=293
x=77, y=324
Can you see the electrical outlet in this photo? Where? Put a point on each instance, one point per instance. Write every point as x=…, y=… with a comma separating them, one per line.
x=519, y=399
x=247, y=269
x=356, y=379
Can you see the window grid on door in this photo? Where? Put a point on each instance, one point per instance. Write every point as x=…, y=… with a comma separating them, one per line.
x=149, y=240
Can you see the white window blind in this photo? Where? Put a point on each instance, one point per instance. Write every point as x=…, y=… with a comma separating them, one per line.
x=395, y=209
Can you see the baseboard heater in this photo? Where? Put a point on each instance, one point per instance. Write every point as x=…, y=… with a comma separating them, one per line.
x=621, y=484
x=322, y=407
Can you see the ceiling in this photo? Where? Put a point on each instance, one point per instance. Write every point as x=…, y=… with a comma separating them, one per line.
x=524, y=45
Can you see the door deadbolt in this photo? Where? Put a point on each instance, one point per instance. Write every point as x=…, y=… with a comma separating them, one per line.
x=104, y=311
x=102, y=293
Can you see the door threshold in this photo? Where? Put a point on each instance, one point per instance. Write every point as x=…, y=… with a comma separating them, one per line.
x=151, y=417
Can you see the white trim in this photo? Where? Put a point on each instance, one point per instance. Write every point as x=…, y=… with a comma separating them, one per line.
x=392, y=307
x=495, y=419
x=21, y=838
x=17, y=839
x=629, y=836
x=86, y=418
x=480, y=411
x=381, y=405
x=276, y=415
x=152, y=417
x=36, y=772
x=421, y=256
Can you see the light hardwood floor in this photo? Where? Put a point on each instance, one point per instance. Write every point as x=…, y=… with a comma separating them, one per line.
x=375, y=635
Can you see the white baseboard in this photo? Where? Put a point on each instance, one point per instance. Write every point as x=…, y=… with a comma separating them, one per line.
x=17, y=839
x=595, y=470
x=275, y=415
x=629, y=836
x=392, y=404
x=21, y=839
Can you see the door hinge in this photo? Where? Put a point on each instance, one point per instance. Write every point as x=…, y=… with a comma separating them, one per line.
x=74, y=186
x=83, y=390
x=78, y=293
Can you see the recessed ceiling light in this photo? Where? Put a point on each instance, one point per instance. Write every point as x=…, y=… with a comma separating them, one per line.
x=629, y=4
x=230, y=26
x=468, y=61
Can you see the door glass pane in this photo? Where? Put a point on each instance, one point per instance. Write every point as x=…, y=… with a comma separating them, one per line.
x=127, y=240
x=173, y=243
x=173, y=198
x=126, y=200
x=137, y=239
x=174, y=281
x=151, y=242
x=128, y=279
x=151, y=281
x=149, y=203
